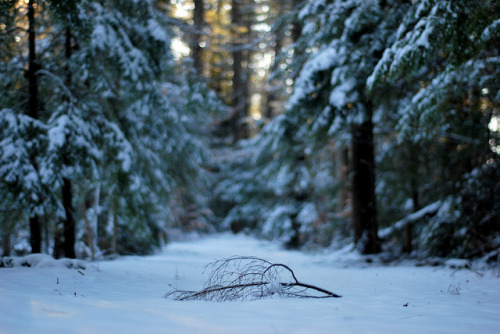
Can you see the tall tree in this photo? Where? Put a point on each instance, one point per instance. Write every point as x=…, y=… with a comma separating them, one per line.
x=67, y=191
x=285, y=31
x=274, y=87
x=448, y=49
x=125, y=109
x=350, y=38
x=364, y=217
x=238, y=92
x=339, y=45
x=66, y=117
x=35, y=225
x=198, y=31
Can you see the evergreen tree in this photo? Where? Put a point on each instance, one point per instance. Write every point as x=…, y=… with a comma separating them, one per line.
x=345, y=39
x=198, y=25
x=117, y=137
x=449, y=50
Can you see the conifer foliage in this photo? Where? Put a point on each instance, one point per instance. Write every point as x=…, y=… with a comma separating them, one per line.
x=344, y=117
x=406, y=94
x=111, y=133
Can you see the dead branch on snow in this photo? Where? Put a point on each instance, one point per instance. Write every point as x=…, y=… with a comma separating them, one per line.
x=248, y=277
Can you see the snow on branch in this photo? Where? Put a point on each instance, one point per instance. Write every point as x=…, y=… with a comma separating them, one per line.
x=429, y=210
x=250, y=278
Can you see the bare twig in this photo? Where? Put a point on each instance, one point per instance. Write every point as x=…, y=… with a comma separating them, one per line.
x=248, y=277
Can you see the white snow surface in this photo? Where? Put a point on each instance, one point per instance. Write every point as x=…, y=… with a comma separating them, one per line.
x=126, y=295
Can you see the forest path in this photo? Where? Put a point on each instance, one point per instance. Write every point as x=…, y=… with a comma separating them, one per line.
x=126, y=295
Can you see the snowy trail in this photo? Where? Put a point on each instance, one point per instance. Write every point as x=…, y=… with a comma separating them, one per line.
x=126, y=296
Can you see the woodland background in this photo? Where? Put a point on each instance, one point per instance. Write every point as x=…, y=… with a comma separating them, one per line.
x=312, y=123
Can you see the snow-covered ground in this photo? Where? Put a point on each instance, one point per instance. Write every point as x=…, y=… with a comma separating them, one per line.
x=126, y=295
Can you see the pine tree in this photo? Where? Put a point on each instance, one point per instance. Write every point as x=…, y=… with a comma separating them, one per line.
x=119, y=134
x=35, y=226
x=331, y=93
x=198, y=25
x=143, y=104
x=447, y=48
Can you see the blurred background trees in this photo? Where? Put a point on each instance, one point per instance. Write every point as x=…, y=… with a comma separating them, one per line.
x=115, y=141
x=389, y=107
x=313, y=123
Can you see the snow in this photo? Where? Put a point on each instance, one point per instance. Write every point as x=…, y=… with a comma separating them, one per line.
x=126, y=151
x=490, y=31
x=319, y=61
x=308, y=214
x=339, y=95
x=58, y=132
x=420, y=214
x=157, y=31
x=310, y=8
x=100, y=37
x=126, y=295
x=41, y=261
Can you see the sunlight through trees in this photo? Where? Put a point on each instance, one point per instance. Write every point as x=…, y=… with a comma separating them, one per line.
x=312, y=123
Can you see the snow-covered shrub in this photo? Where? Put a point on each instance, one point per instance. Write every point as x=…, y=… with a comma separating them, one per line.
x=41, y=261
x=468, y=224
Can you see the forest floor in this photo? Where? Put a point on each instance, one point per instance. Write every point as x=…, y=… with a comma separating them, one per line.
x=126, y=295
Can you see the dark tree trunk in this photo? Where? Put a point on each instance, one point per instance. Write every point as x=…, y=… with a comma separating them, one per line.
x=67, y=53
x=296, y=31
x=6, y=244
x=297, y=25
x=363, y=186
x=238, y=98
x=35, y=235
x=67, y=191
x=274, y=103
x=274, y=88
x=32, y=65
x=198, y=23
x=408, y=230
x=114, y=240
x=69, y=222
x=247, y=59
x=58, y=250
x=342, y=156
x=35, y=229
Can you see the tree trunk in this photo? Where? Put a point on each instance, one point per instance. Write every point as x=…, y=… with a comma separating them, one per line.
x=32, y=65
x=296, y=31
x=95, y=221
x=67, y=53
x=58, y=250
x=363, y=186
x=114, y=240
x=408, y=233
x=6, y=244
x=69, y=222
x=90, y=215
x=35, y=229
x=238, y=98
x=67, y=191
x=35, y=235
x=296, y=25
x=342, y=177
x=198, y=23
x=88, y=229
x=247, y=59
x=274, y=88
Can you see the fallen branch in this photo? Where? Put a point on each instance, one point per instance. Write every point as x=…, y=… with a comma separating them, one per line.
x=248, y=277
x=429, y=210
